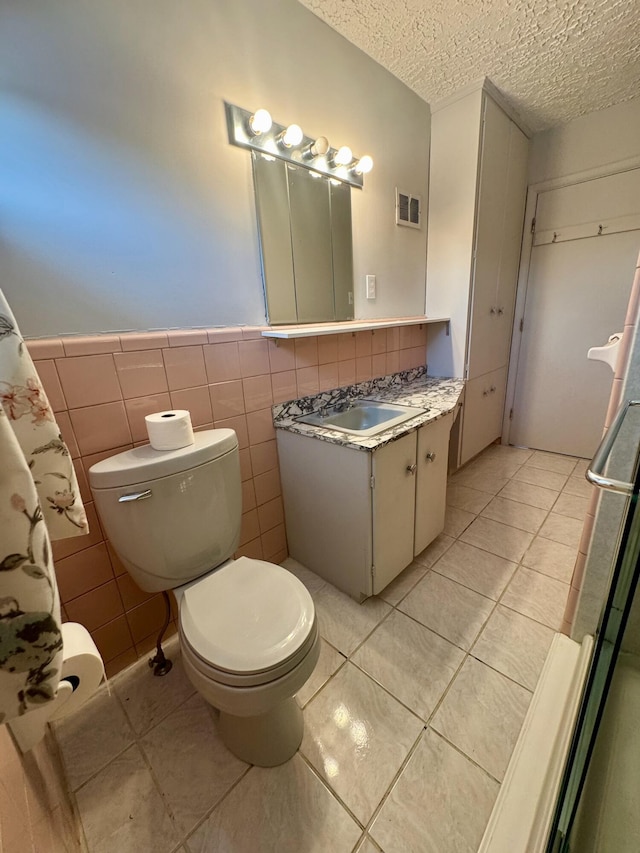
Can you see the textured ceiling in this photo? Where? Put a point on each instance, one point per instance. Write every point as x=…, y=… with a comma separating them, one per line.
x=554, y=61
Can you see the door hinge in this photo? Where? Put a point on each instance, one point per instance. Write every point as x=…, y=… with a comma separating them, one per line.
x=533, y=225
x=372, y=482
x=510, y=414
x=521, y=323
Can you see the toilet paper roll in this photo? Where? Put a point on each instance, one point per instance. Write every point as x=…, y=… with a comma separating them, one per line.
x=82, y=670
x=169, y=430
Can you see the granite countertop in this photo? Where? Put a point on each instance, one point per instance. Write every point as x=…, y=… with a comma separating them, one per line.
x=409, y=388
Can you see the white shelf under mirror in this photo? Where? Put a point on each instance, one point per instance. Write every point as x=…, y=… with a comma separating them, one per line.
x=309, y=330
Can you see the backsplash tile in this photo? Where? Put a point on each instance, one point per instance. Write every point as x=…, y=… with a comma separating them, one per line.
x=102, y=386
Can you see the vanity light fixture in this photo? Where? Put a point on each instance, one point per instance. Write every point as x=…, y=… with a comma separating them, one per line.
x=317, y=149
x=364, y=165
x=256, y=131
x=260, y=122
x=343, y=156
x=291, y=137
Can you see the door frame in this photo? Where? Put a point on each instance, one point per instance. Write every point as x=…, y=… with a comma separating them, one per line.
x=525, y=265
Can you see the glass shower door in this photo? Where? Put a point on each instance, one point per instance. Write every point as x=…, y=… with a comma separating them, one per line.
x=613, y=620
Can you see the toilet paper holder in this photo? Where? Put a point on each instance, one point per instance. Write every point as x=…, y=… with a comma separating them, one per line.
x=86, y=671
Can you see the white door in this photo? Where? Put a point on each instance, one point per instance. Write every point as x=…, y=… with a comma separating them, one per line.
x=586, y=244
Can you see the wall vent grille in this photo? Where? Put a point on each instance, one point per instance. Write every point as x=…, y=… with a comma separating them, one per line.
x=408, y=209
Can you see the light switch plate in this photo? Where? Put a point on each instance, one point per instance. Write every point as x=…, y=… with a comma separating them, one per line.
x=370, y=286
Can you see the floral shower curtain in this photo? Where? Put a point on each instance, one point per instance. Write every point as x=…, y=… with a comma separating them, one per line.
x=39, y=501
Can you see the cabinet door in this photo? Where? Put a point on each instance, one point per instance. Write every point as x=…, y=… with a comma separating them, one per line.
x=484, y=347
x=431, y=481
x=500, y=215
x=516, y=192
x=482, y=412
x=394, y=472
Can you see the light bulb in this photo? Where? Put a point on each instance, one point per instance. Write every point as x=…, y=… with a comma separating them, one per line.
x=364, y=165
x=291, y=136
x=318, y=148
x=260, y=122
x=343, y=156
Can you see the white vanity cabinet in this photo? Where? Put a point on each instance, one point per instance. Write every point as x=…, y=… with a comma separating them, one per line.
x=357, y=517
x=478, y=179
x=431, y=481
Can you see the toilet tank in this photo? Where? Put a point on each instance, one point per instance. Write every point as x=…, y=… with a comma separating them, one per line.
x=171, y=515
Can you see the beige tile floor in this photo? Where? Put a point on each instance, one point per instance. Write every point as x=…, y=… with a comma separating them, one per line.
x=410, y=716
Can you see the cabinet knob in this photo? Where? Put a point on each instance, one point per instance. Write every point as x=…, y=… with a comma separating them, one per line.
x=411, y=469
x=430, y=457
x=492, y=390
x=492, y=310
x=500, y=311
x=485, y=392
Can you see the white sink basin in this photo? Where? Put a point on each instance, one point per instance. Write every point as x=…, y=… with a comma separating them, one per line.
x=363, y=418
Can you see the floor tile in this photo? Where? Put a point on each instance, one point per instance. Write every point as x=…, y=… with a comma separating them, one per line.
x=505, y=451
x=560, y=528
x=493, y=466
x=479, y=570
x=525, y=493
x=283, y=809
x=404, y=583
x=433, y=552
x=343, y=622
x=490, y=483
x=540, y=597
x=90, y=738
x=121, y=809
x=410, y=661
x=440, y=804
x=553, y=462
x=456, y=520
x=470, y=500
x=489, y=734
x=193, y=767
x=147, y=699
x=515, y=514
x=571, y=505
x=514, y=645
x=578, y=486
x=329, y=661
x=551, y=558
x=449, y=609
x=500, y=539
x=540, y=477
x=581, y=467
x=313, y=582
x=357, y=736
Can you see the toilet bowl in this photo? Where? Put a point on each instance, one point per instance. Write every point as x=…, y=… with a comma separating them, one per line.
x=249, y=643
x=247, y=628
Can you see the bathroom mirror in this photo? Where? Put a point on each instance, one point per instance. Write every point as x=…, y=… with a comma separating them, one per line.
x=304, y=222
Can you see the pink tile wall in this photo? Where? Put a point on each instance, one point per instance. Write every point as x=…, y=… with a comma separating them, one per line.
x=102, y=387
x=36, y=815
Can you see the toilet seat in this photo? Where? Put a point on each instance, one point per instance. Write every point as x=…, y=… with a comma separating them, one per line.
x=247, y=623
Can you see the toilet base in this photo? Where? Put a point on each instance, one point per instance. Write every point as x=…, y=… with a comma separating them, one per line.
x=266, y=739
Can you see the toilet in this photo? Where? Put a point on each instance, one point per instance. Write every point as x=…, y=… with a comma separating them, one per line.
x=247, y=628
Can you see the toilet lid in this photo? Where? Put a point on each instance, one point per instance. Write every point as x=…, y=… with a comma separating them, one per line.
x=246, y=616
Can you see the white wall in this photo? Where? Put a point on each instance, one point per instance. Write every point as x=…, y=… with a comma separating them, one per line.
x=122, y=204
x=592, y=141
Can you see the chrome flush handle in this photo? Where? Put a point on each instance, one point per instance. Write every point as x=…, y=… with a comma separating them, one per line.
x=135, y=496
